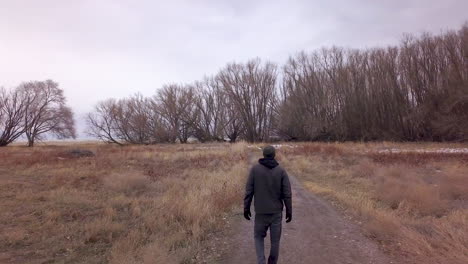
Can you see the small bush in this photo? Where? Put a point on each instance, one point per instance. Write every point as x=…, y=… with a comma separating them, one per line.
x=102, y=230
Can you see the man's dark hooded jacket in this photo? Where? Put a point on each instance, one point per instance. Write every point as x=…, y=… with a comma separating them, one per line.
x=269, y=182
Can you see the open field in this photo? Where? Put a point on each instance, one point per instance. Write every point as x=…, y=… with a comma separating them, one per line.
x=167, y=203
x=134, y=204
x=414, y=203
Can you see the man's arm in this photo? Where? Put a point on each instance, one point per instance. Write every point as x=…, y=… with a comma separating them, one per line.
x=287, y=195
x=249, y=193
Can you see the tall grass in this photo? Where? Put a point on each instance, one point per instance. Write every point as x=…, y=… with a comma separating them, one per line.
x=160, y=204
x=414, y=204
x=133, y=204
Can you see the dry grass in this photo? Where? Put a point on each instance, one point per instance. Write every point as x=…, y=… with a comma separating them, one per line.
x=414, y=204
x=160, y=204
x=133, y=204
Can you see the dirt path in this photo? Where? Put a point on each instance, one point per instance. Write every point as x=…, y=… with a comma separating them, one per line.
x=318, y=235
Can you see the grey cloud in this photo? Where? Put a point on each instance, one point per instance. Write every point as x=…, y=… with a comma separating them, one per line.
x=101, y=49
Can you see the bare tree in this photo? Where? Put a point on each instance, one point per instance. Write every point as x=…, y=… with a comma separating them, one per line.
x=133, y=117
x=46, y=111
x=133, y=120
x=159, y=129
x=434, y=74
x=102, y=122
x=175, y=104
x=307, y=103
x=210, y=107
x=233, y=125
x=12, y=112
x=252, y=89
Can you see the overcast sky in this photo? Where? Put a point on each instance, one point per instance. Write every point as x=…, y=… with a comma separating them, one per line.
x=98, y=49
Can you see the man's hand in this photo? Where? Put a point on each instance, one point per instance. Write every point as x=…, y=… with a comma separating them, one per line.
x=288, y=217
x=247, y=214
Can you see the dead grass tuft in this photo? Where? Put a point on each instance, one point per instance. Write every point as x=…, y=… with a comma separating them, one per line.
x=383, y=227
x=401, y=185
x=365, y=168
x=127, y=182
x=454, y=184
x=103, y=229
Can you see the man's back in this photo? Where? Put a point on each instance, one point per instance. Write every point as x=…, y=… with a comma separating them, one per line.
x=270, y=187
x=268, y=184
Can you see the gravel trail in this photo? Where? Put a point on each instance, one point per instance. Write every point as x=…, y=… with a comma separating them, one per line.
x=318, y=234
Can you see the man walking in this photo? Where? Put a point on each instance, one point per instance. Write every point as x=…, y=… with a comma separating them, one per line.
x=269, y=184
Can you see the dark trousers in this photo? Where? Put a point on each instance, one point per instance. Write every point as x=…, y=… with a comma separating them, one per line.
x=262, y=223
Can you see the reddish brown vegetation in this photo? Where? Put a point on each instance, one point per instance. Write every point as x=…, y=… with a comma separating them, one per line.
x=414, y=203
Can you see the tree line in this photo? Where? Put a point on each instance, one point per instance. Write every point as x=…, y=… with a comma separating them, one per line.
x=417, y=90
x=238, y=103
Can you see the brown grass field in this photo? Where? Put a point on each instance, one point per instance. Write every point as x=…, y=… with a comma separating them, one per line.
x=133, y=204
x=165, y=203
x=415, y=205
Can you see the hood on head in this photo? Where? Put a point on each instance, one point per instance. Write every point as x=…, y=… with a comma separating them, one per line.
x=268, y=162
x=269, y=152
